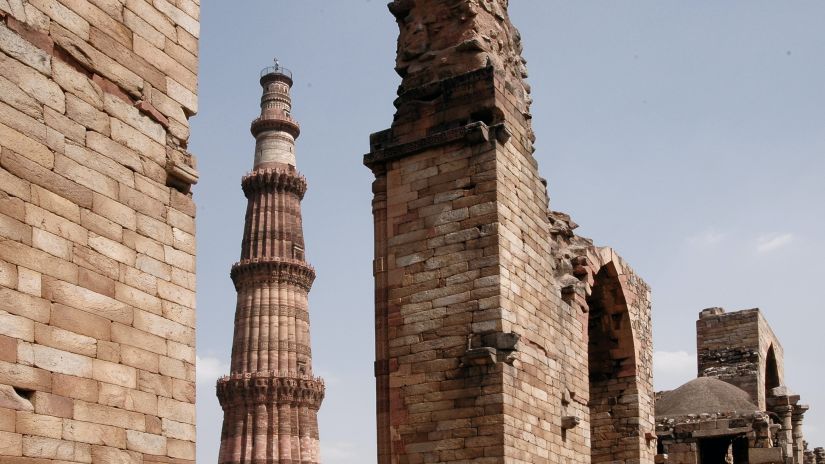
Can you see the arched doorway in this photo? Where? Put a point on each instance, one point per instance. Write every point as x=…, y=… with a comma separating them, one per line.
x=614, y=398
x=771, y=372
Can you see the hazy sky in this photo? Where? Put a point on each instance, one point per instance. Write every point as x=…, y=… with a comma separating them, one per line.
x=690, y=136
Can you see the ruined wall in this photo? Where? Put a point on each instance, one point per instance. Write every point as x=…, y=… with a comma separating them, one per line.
x=97, y=245
x=735, y=347
x=478, y=356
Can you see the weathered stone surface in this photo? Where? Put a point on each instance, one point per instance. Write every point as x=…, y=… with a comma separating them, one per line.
x=86, y=126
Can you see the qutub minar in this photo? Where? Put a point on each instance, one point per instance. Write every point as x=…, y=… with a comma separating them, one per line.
x=271, y=399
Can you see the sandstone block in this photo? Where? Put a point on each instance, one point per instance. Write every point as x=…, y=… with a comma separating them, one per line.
x=90, y=412
x=134, y=277
x=36, y=174
x=142, y=203
x=129, y=399
x=55, y=203
x=13, y=229
x=117, y=152
x=8, y=349
x=140, y=359
x=162, y=327
x=11, y=444
x=101, y=225
x=52, y=244
x=52, y=405
x=122, y=112
x=178, y=430
x=75, y=387
x=95, y=434
x=180, y=220
x=102, y=20
x=28, y=147
x=34, y=83
x=189, y=24
x=126, y=335
x=179, y=259
x=184, y=279
x=95, y=181
x=87, y=300
x=143, y=29
x=180, y=351
x=178, y=313
x=77, y=86
x=25, y=377
x=62, y=362
x=117, y=374
x=19, y=100
x=15, y=119
x=145, y=442
x=50, y=448
x=7, y=418
x=155, y=229
x=174, y=368
x=29, y=423
x=91, y=58
x=67, y=128
x=176, y=294
x=17, y=47
x=184, y=390
x=56, y=337
x=42, y=219
x=137, y=298
x=182, y=95
x=115, y=211
x=181, y=449
x=115, y=456
x=64, y=16
x=8, y=274
x=100, y=163
x=81, y=322
x=172, y=68
x=176, y=410
x=84, y=113
x=14, y=186
x=15, y=326
x=108, y=351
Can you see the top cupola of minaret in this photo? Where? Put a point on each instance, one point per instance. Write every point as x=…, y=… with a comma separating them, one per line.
x=275, y=130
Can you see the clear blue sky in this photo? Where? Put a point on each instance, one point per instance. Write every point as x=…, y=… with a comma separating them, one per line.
x=690, y=136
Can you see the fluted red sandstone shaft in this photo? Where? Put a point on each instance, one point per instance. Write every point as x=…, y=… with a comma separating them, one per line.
x=270, y=399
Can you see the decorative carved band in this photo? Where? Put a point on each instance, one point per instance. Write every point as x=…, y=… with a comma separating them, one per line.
x=274, y=179
x=270, y=388
x=280, y=123
x=271, y=269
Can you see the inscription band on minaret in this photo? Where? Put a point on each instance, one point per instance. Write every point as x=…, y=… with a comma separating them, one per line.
x=270, y=398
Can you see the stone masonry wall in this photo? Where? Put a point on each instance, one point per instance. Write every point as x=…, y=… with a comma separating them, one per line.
x=97, y=244
x=479, y=357
x=734, y=347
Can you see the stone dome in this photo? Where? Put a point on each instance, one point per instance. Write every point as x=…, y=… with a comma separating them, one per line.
x=704, y=395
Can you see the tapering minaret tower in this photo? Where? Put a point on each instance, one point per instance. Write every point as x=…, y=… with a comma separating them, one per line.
x=270, y=399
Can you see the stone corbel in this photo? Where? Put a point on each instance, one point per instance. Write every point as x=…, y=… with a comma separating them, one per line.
x=569, y=422
x=180, y=170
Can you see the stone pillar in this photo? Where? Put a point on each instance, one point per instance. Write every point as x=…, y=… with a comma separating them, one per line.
x=798, y=436
x=786, y=432
x=271, y=387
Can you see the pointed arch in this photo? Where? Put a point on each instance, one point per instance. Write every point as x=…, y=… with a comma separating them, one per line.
x=771, y=372
x=612, y=368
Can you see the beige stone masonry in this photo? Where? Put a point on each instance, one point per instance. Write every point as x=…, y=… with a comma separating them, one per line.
x=97, y=245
